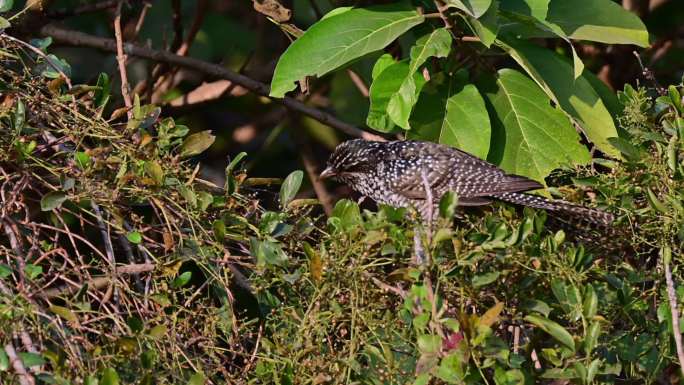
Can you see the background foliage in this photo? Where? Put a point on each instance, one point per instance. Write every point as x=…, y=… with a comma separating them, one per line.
x=135, y=250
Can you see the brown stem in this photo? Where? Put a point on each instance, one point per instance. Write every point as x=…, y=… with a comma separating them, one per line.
x=676, y=331
x=76, y=38
x=24, y=377
x=121, y=59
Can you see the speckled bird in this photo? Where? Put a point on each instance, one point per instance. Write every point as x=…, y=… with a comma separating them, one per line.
x=396, y=173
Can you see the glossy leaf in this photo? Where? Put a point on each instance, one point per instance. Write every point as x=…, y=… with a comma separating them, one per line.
x=554, y=329
x=196, y=143
x=290, y=187
x=6, y=5
x=435, y=44
x=576, y=97
x=598, y=20
x=338, y=39
x=384, y=86
x=454, y=115
x=529, y=137
x=474, y=8
x=486, y=27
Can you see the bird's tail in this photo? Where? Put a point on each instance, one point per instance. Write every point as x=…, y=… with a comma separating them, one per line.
x=579, y=213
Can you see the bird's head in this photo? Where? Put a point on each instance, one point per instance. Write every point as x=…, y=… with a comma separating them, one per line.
x=351, y=158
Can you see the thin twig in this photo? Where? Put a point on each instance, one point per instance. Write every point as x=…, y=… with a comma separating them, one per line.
x=672, y=296
x=382, y=285
x=40, y=53
x=76, y=38
x=141, y=19
x=121, y=59
x=358, y=82
x=24, y=377
x=98, y=282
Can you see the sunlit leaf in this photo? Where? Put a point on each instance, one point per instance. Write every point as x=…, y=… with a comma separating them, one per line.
x=435, y=44
x=529, y=137
x=554, y=329
x=290, y=187
x=337, y=40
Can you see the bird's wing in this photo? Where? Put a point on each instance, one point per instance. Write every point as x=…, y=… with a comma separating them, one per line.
x=448, y=169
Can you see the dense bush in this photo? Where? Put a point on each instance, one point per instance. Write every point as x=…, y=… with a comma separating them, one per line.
x=120, y=262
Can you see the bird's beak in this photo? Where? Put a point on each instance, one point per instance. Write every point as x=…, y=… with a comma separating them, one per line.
x=327, y=173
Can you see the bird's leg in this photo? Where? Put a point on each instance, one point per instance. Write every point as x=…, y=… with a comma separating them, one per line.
x=421, y=258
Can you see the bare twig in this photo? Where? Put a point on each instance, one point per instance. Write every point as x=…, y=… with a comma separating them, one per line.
x=382, y=285
x=24, y=377
x=312, y=171
x=430, y=205
x=141, y=19
x=76, y=38
x=358, y=82
x=40, y=53
x=676, y=331
x=648, y=74
x=121, y=59
x=98, y=282
x=206, y=92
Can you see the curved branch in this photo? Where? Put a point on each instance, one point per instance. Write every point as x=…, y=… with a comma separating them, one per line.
x=80, y=39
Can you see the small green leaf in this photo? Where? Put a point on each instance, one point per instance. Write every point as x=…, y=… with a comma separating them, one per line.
x=54, y=63
x=196, y=143
x=448, y=204
x=33, y=271
x=231, y=185
x=554, y=329
x=6, y=5
x=219, y=228
x=154, y=170
x=182, y=280
x=109, y=377
x=590, y=302
x=338, y=39
x=485, y=279
x=19, y=117
x=4, y=361
x=626, y=148
x=540, y=307
x=429, y=343
x=102, y=94
x=82, y=160
x=91, y=380
x=64, y=312
x=31, y=359
x=197, y=379
x=158, y=332
x=5, y=271
x=134, y=237
x=592, y=335
x=290, y=187
x=204, y=200
x=4, y=23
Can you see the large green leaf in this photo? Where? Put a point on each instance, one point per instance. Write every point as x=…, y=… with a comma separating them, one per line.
x=487, y=26
x=474, y=8
x=598, y=20
x=554, y=329
x=531, y=16
x=529, y=137
x=437, y=44
x=384, y=86
x=575, y=96
x=454, y=115
x=338, y=39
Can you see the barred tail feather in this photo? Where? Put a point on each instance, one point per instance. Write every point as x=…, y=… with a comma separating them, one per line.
x=594, y=216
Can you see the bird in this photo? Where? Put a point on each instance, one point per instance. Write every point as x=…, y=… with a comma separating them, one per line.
x=412, y=173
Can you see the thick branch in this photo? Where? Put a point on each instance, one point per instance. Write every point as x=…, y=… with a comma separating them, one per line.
x=76, y=38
